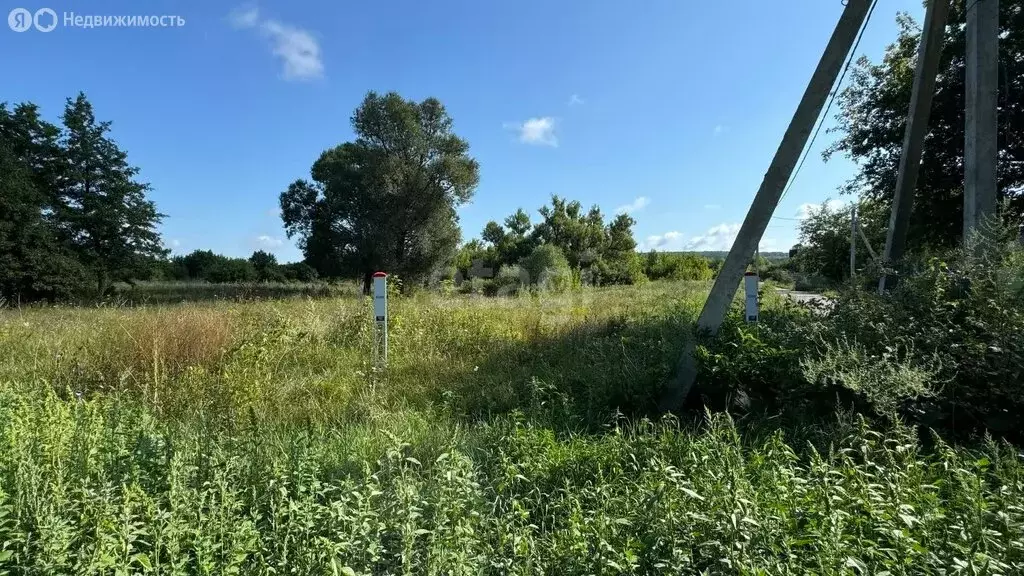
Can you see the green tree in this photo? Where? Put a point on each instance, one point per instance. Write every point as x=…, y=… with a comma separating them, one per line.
x=579, y=235
x=511, y=242
x=34, y=263
x=199, y=263
x=619, y=263
x=232, y=270
x=299, y=272
x=266, y=267
x=387, y=200
x=873, y=117
x=825, y=239
x=103, y=210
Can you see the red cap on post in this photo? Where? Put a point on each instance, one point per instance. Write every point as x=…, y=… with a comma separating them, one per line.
x=380, y=275
x=750, y=274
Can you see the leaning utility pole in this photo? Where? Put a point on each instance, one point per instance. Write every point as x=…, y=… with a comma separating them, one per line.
x=928, y=53
x=981, y=86
x=767, y=198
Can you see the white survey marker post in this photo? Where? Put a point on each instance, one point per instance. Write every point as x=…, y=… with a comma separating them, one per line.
x=750, y=285
x=380, y=314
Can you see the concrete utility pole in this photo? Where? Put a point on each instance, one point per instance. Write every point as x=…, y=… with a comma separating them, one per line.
x=853, y=241
x=928, y=53
x=768, y=194
x=982, y=85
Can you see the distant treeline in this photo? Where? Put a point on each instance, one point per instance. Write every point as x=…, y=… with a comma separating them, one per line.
x=204, y=265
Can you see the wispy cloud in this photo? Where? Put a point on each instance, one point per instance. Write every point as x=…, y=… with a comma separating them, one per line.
x=274, y=212
x=667, y=241
x=716, y=239
x=297, y=48
x=635, y=206
x=719, y=128
x=536, y=131
x=575, y=100
x=174, y=243
x=265, y=241
x=805, y=210
x=244, y=16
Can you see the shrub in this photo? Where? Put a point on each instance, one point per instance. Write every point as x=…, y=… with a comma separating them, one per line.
x=885, y=383
x=673, y=266
x=548, y=268
x=510, y=280
x=944, y=349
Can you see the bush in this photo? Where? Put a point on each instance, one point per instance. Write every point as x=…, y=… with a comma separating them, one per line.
x=672, y=266
x=778, y=274
x=548, y=268
x=812, y=283
x=510, y=280
x=626, y=269
x=944, y=349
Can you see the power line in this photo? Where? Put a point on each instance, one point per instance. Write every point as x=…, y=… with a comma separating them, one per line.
x=821, y=121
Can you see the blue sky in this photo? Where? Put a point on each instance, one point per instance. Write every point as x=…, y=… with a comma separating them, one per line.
x=670, y=109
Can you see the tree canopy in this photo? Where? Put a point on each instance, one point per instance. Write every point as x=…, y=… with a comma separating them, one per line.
x=72, y=213
x=872, y=119
x=386, y=200
x=600, y=253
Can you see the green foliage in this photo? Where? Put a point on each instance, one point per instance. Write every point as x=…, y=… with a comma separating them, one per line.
x=103, y=210
x=873, y=117
x=595, y=253
x=72, y=217
x=298, y=272
x=510, y=280
x=548, y=268
x=887, y=382
x=676, y=266
x=232, y=270
x=579, y=235
x=265, y=267
x=387, y=200
x=943, y=349
x=505, y=435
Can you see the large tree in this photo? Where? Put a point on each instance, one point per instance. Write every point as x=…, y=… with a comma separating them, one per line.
x=873, y=117
x=34, y=263
x=387, y=200
x=102, y=208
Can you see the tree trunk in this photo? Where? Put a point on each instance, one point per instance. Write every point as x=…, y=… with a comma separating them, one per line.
x=367, y=282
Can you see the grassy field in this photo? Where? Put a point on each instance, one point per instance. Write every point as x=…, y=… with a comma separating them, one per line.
x=175, y=292
x=506, y=436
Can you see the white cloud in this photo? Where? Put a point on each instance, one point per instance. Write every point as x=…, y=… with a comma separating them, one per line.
x=805, y=209
x=712, y=206
x=536, y=131
x=265, y=241
x=716, y=239
x=635, y=206
x=667, y=241
x=720, y=128
x=575, y=100
x=244, y=17
x=174, y=243
x=298, y=49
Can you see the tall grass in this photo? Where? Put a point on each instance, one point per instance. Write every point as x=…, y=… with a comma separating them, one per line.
x=506, y=436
